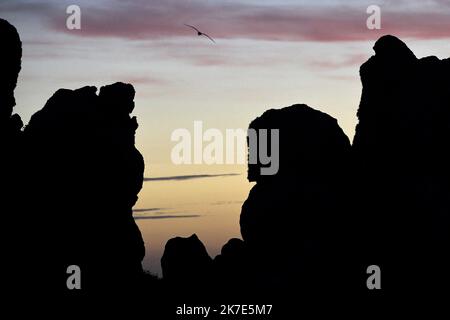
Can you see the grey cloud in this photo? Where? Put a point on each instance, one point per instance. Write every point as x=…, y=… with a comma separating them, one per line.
x=190, y=177
x=174, y=216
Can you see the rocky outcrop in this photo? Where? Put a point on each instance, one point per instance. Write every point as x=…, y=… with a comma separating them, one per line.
x=233, y=267
x=69, y=181
x=13, y=246
x=10, y=65
x=72, y=176
x=384, y=201
x=10, y=124
x=83, y=176
x=186, y=261
x=401, y=159
x=290, y=219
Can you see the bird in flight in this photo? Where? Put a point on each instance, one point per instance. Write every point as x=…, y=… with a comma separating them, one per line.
x=199, y=33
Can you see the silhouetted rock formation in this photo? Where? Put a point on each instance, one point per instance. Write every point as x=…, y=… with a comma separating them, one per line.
x=232, y=266
x=310, y=140
x=10, y=64
x=10, y=169
x=83, y=176
x=401, y=149
x=291, y=222
x=69, y=182
x=10, y=124
x=289, y=219
x=71, y=178
x=185, y=260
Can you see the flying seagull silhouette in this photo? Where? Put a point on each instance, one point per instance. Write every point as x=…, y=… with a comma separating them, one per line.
x=199, y=33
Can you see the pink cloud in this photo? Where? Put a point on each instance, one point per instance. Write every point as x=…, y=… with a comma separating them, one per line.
x=147, y=21
x=165, y=19
x=159, y=19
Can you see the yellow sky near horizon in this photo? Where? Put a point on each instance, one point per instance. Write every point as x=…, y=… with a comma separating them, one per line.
x=215, y=202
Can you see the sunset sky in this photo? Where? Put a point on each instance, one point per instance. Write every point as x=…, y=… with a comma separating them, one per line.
x=267, y=54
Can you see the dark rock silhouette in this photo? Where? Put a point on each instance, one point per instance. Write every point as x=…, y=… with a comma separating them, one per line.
x=289, y=220
x=83, y=176
x=10, y=124
x=72, y=176
x=334, y=210
x=10, y=62
x=185, y=260
x=233, y=266
x=10, y=169
x=69, y=182
x=310, y=139
x=401, y=155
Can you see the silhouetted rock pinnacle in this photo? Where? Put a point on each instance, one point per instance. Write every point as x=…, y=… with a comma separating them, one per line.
x=401, y=152
x=84, y=174
x=185, y=260
x=289, y=219
x=10, y=149
x=232, y=267
x=10, y=64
